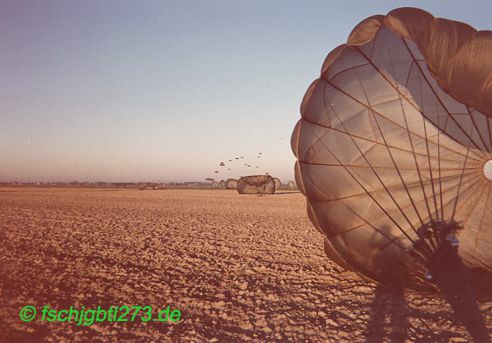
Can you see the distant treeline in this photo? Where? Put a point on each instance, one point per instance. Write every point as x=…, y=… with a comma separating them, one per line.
x=129, y=185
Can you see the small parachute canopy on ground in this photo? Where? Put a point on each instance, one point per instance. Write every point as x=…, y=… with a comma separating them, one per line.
x=256, y=184
x=148, y=186
x=278, y=183
x=222, y=184
x=231, y=183
x=291, y=185
x=214, y=185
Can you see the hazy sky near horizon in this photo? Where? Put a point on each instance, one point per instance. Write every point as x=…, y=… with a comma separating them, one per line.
x=166, y=90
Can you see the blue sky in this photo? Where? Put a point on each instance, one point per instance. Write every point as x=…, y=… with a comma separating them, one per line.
x=166, y=90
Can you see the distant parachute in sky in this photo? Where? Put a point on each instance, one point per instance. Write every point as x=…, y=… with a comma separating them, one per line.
x=222, y=164
x=216, y=172
x=391, y=149
x=209, y=179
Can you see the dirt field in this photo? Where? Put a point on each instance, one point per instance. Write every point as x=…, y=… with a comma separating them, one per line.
x=239, y=267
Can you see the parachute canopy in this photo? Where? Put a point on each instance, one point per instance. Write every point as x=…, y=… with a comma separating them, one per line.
x=256, y=184
x=392, y=145
x=231, y=184
x=291, y=184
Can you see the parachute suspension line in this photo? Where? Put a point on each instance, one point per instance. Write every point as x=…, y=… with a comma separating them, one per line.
x=428, y=152
x=421, y=249
x=440, y=101
x=476, y=127
x=370, y=166
x=413, y=151
x=365, y=158
x=439, y=158
x=391, y=156
x=477, y=157
x=461, y=181
x=401, y=96
x=409, y=137
x=367, y=192
x=393, y=240
x=390, y=239
x=394, y=147
x=489, y=129
x=436, y=236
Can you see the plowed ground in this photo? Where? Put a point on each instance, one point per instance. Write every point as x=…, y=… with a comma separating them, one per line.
x=239, y=267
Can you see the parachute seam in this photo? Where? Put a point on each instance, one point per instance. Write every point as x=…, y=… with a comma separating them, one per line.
x=392, y=188
x=413, y=105
x=366, y=221
x=379, y=167
x=482, y=217
x=370, y=195
x=428, y=153
x=459, y=187
x=489, y=130
x=476, y=129
x=439, y=100
x=379, y=143
x=367, y=161
x=408, y=131
x=479, y=158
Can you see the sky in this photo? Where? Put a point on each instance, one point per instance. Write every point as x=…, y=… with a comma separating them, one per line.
x=127, y=91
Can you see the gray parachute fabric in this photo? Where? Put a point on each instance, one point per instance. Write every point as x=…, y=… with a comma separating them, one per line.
x=256, y=184
x=392, y=144
x=231, y=184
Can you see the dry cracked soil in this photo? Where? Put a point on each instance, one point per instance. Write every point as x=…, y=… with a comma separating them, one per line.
x=238, y=267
